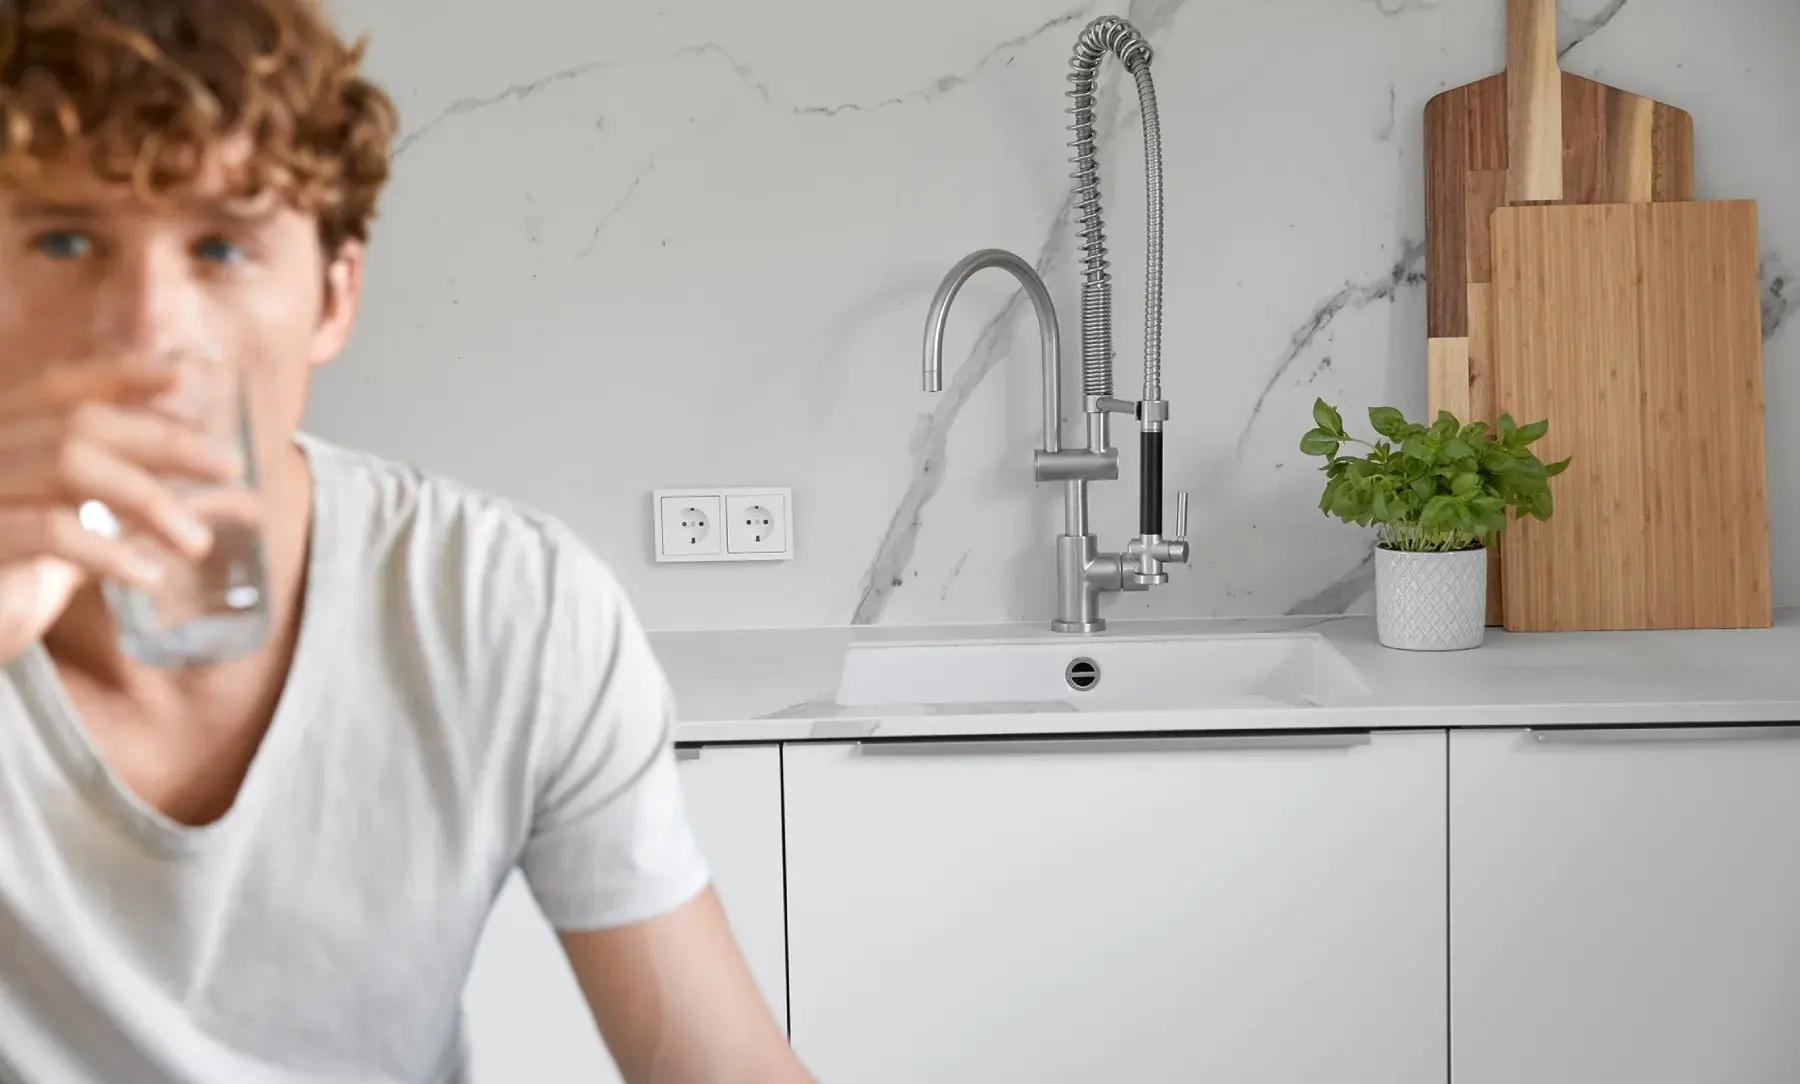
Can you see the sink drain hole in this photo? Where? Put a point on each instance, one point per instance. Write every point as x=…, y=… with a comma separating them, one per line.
x=1082, y=675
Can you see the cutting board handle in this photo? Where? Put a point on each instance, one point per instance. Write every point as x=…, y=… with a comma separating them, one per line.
x=1533, y=103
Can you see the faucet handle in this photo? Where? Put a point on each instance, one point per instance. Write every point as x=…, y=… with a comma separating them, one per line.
x=1181, y=514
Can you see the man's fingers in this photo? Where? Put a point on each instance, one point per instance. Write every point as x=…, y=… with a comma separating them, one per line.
x=65, y=386
x=34, y=453
x=227, y=506
x=159, y=444
x=91, y=474
x=28, y=532
x=86, y=472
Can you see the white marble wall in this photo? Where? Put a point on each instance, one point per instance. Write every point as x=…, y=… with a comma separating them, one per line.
x=637, y=244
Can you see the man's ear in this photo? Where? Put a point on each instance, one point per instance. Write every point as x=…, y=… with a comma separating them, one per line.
x=338, y=308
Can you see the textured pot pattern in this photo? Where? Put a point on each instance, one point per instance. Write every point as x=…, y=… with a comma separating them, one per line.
x=1431, y=601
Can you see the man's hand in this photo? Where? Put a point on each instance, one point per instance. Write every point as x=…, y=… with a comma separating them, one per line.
x=86, y=434
x=676, y=1002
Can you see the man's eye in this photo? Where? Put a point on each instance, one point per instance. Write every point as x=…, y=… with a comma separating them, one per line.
x=65, y=244
x=220, y=251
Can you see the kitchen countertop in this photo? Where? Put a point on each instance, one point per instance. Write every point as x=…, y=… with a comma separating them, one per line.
x=780, y=685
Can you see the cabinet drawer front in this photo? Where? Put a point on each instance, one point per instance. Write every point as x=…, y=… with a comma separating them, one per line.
x=1260, y=914
x=1623, y=906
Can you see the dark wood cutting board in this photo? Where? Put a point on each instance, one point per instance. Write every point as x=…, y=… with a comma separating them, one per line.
x=1532, y=134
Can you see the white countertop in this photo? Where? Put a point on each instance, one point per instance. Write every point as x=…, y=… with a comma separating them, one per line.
x=780, y=685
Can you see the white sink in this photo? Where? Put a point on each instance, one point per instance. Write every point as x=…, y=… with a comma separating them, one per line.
x=1282, y=670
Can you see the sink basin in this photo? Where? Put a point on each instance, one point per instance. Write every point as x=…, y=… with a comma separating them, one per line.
x=1281, y=670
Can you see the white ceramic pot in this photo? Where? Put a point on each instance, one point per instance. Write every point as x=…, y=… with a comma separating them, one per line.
x=1431, y=601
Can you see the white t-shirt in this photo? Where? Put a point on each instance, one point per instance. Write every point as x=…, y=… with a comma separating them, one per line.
x=471, y=692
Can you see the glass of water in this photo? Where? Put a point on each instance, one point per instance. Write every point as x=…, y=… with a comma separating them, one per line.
x=215, y=609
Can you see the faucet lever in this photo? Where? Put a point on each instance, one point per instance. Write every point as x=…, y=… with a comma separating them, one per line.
x=1181, y=514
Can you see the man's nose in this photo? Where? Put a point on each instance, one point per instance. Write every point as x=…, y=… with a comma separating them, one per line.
x=151, y=305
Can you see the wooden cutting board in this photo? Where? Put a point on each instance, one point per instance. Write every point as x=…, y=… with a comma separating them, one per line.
x=1636, y=330
x=1532, y=134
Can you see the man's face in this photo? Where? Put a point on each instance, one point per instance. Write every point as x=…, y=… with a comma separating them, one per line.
x=90, y=273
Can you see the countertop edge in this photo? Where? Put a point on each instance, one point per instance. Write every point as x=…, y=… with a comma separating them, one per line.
x=1201, y=720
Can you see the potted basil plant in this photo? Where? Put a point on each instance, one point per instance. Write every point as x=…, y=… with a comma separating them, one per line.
x=1438, y=496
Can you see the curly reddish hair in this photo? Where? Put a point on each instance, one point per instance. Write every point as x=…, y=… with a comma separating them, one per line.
x=143, y=91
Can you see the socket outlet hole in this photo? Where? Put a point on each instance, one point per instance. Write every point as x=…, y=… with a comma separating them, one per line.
x=693, y=524
x=760, y=521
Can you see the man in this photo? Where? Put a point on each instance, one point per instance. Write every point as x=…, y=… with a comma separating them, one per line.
x=276, y=869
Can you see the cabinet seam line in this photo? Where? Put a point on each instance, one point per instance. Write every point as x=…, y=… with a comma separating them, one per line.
x=787, y=959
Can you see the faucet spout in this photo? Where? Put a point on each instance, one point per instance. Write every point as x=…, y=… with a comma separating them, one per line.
x=1109, y=34
x=1050, y=337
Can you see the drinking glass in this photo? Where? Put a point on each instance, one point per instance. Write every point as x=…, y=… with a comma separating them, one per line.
x=215, y=609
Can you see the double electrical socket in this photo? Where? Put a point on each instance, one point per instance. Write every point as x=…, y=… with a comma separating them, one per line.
x=740, y=524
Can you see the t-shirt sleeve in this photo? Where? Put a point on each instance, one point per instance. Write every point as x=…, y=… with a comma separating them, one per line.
x=610, y=843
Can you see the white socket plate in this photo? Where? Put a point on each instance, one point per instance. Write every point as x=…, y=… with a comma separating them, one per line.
x=766, y=532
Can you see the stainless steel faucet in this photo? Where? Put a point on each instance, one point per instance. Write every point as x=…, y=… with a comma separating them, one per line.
x=1083, y=573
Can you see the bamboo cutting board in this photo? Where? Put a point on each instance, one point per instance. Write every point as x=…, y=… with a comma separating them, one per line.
x=1532, y=134
x=1636, y=330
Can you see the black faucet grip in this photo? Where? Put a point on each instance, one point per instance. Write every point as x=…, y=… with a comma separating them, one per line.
x=1150, y=483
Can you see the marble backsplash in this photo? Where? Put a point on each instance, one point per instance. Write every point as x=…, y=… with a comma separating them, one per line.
x=635, y=245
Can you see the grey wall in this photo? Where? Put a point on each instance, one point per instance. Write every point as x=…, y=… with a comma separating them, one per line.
x=634, y=245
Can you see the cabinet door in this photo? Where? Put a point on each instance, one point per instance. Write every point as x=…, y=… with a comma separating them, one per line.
x=1625, y=906
x=734, y=801
x=1145, y=911
x=526, y=1016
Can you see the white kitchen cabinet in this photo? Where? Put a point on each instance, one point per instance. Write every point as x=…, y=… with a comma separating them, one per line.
x=527, y=1019
x=734, y=800
x=1625, y=906
x=1120, y=910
